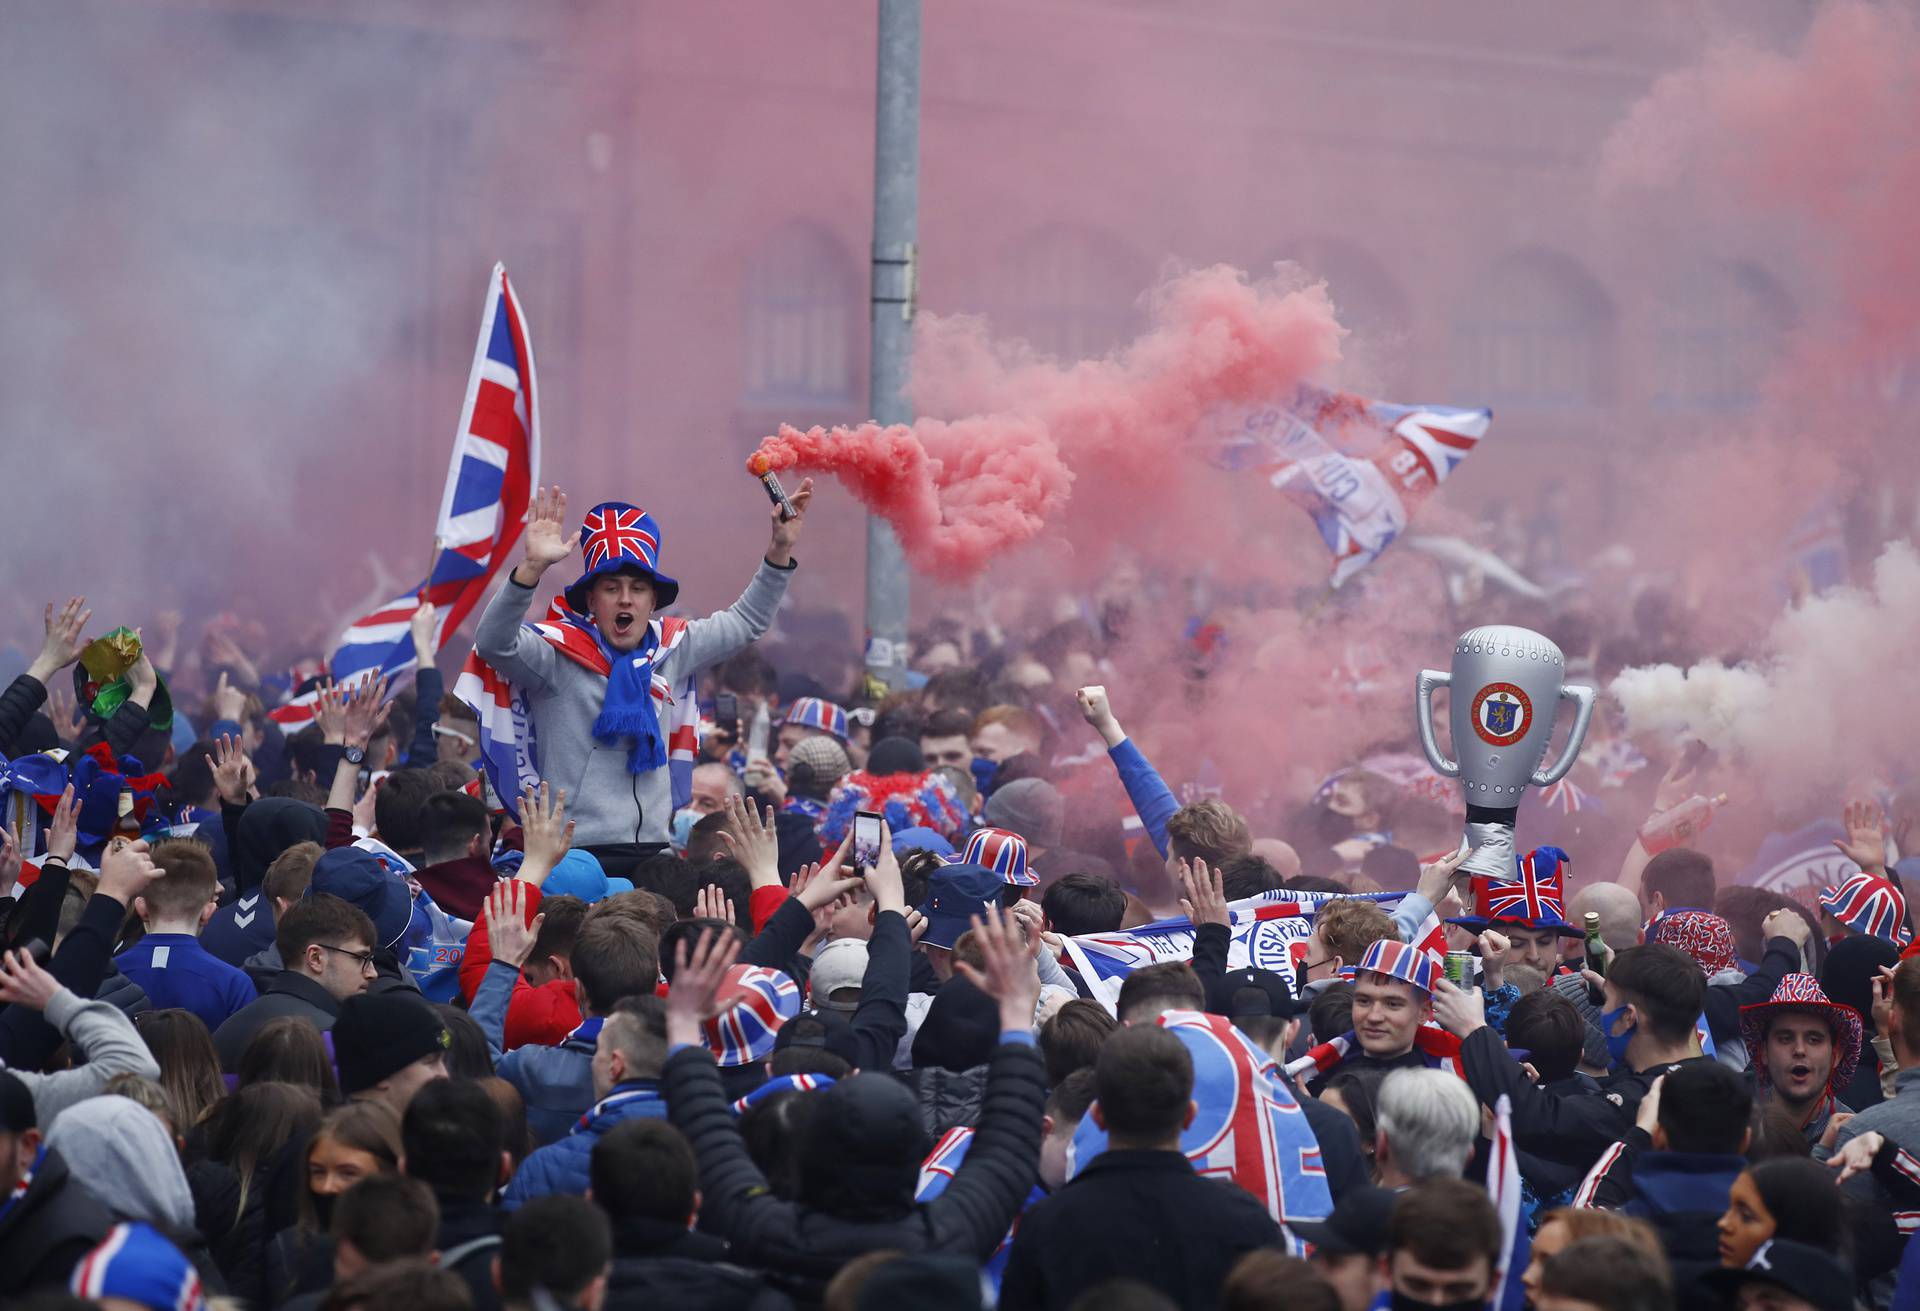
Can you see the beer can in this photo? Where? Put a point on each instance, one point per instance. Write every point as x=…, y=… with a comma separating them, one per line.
x=1459, y=969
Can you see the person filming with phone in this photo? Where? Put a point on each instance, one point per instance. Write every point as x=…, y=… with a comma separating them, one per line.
x=603, y=688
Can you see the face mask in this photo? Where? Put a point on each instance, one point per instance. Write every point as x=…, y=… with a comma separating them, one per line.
x=1332, y=827
x=1399, y=1301
x=323, y=1211
x=1616, y=1043
x=983, y=774
x=681, y=830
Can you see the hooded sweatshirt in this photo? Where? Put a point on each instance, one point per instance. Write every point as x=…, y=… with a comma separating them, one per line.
x=125, y=1156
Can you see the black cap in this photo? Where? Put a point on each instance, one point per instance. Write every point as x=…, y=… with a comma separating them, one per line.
x=16, y=1104
x=1358, y=1226
x=1252, y=994
x=1806, y=1272
x=379, y=1034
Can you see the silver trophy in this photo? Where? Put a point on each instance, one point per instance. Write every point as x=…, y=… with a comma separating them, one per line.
x=1506, y=686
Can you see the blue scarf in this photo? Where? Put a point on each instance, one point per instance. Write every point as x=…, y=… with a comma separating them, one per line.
x=629, y=711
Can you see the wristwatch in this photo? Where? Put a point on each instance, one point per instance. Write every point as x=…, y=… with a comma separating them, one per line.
x=356, y=755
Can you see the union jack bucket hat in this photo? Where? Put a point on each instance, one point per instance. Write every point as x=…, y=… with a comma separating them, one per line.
x=1802, y=992
x=1399, y=960
x=1000, y=850
x=616, y=536
x=817, y=712
x=744, y=1033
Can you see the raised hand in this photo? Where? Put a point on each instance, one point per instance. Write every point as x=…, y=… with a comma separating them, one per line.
x=1459, y=1011
x=711, y=903
x=329, y=711
x=697, y=975
x=1437, y=879
x=1095, y=709
x=24, y=983
x=787, y=531
x=1494, y=950
x=229, y=702
x=1866, y=841
x=64, y=835
x=546, y=834
x=1206, y=899
x=1008, y=974
x=508, y=933
x=366, y=711
x=68, y=722
x=63, y=642
x=424, y=626
x=752, y=839
x=9, y=860
x=547, y=540
x=142, y=680
x=233, y=769
x=126, y=870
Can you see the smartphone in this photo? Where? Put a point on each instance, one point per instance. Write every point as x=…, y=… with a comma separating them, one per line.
x=726, y=712
x=866, y=841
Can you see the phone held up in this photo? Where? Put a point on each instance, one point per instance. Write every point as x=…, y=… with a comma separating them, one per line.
x=866, y=841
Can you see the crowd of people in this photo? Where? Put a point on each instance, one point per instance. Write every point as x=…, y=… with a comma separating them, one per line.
x=419, y=1005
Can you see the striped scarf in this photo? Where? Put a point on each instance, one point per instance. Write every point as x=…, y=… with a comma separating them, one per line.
x=26, y=1182
x=1440, y=1049
x=509, y=749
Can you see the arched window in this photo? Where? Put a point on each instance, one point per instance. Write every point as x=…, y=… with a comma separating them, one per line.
x=803, y=311
x=1367, y=300
x=1720, y=323
x=1535, y=331
x=1069, y=290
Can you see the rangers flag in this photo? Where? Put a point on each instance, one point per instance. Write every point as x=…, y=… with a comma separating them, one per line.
x=1247, y=1127
x=1360, y=468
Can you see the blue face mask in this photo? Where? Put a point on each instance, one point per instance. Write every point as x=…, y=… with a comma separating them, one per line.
x=1616, y=1042
x=983, y=774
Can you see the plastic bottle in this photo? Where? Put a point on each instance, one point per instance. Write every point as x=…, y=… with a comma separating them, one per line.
x=1677, y=827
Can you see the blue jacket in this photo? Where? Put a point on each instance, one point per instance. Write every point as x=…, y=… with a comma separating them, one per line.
x=175, y=970
x=556, y=1083
x=240, y=929
x=562, y=1166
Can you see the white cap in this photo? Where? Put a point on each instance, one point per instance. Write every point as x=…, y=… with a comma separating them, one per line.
x=842, y=963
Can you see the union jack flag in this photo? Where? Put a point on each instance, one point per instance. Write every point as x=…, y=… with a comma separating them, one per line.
x=1247, y=1128
x=744, y=1033
x=483, y=508
x=617, y=533
x=1566, y=798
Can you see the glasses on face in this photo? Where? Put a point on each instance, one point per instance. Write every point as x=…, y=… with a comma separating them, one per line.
x=362, y=958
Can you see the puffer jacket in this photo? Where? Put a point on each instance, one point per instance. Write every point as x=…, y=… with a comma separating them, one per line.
x=858, y=1170
x=556, y=1083
x=948, y=1097
x=564, y=1166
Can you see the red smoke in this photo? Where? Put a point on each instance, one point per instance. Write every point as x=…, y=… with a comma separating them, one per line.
x=1032, y=433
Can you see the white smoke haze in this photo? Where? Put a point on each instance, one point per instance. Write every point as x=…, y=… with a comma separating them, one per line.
x=1830, y=697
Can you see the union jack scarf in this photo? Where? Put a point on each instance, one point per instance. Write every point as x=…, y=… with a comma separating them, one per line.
x=509, y=753
x=1440, y=1049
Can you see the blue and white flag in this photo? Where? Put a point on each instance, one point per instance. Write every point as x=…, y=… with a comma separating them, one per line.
x=1268, y=932
x=1360, y=468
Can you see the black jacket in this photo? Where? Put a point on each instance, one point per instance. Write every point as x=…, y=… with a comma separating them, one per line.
x=471, y=1229
x=1141, y=1215
x=1681, y=1194
x=44, y=1234
x=1560, y=1128
x=290, y=993
x=859, y=1167
x=661, y=1265
x=1724, y=1000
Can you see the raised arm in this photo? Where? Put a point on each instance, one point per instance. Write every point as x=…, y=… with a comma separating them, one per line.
x=502, y=638
x=719, y=635
x=1152, y=799
x=104, y=1042
x=60, y=648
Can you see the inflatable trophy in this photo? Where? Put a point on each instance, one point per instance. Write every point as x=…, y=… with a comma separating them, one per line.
x=1505, y=687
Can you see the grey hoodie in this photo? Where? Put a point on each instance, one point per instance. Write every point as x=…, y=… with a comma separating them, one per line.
x=605, y=802
x=125, y=1157
x=98, y=1034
